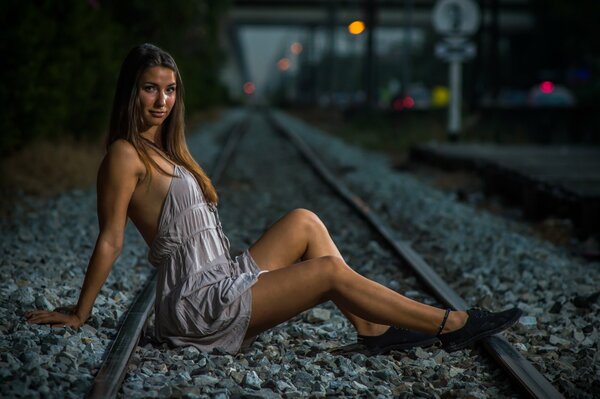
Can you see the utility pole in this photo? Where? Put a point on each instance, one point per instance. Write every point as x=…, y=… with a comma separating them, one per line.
x=369, y=81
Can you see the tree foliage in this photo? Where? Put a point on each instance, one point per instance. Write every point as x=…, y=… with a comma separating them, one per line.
x=61, y=60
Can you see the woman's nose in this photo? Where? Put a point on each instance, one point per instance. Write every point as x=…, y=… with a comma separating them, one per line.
x=161, y=99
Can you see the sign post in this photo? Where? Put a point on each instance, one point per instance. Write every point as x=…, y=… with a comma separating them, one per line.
x=456, y=20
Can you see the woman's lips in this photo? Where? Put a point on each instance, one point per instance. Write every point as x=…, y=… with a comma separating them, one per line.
x=158, y=114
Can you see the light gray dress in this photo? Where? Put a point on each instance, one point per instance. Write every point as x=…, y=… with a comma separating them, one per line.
x=203, y=297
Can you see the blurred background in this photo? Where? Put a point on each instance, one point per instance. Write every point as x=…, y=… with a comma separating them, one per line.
x=365, y=70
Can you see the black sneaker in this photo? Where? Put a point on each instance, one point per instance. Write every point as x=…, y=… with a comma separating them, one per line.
x=480, y=324
x=396, y=339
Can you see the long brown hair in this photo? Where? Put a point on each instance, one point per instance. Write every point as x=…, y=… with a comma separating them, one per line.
x=126, y=118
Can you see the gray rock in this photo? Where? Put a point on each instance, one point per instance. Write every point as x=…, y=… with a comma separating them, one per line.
x=318, y=315
x=42, y=303
x=23, y=296
x=252, y=380
x=302, y=379
x=283, y=386
x=528, y=321
x=421, y=353
x=555, y=340
x=203, y=380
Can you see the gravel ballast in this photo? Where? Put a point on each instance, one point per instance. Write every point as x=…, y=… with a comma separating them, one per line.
x=266, y=180
x=45, y=250
x=489, y=261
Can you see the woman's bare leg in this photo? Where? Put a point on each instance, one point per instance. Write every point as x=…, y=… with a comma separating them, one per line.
x=300, y=235
x=283, y=293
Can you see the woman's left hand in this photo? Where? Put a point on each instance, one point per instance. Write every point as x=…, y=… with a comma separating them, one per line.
x=55, y=319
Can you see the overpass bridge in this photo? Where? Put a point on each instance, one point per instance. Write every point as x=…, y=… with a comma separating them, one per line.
x=320, y=26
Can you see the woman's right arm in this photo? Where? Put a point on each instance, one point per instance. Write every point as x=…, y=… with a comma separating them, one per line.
x=118, y=176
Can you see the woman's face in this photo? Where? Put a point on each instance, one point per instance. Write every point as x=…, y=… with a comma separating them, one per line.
x=156, y=93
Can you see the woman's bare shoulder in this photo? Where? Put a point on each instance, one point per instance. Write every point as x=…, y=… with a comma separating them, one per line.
x=122, y=156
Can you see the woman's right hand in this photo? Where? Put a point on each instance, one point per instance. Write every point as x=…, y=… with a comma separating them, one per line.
x=54, y=318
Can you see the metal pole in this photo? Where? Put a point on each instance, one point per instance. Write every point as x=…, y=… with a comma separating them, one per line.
x=455, y=100
x=369, y=54
x=406, y=59
x=330, y=74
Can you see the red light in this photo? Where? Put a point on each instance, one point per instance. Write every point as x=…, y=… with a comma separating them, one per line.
x=547, y=87
x=408, y=102
x=296, y=48
x=249, y=88
x=283, y=64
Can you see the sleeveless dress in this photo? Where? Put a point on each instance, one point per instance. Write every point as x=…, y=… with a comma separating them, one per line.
x=203, y=297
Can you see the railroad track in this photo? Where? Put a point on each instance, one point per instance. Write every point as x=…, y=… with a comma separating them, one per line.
x=523, y=373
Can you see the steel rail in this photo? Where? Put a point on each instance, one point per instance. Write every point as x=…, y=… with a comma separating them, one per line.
x=109, y=378
x=520, y=369
x=111, y=374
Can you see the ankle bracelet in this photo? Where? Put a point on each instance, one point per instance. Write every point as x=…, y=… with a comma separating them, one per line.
x=443, y=322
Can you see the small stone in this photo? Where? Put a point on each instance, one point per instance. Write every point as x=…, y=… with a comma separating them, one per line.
x=555, y=308
x=316, y=315
x=42, y=303
x=161, y=368
x=203, y=380
x=454, y=371
x=190, y=352
x=302, y=378
x=165, y=391
x=23, y=295
x=359, y=386
x=421, y=354
x=31, y=360
x=439, y=357
x=317, y=388
x=283, y=386
x=252, y=380
x=220, y=395
x=238, y=376
x=86, y=328
x=182, y=378
x=555, y=340
x=520, y=347
x=528, y=321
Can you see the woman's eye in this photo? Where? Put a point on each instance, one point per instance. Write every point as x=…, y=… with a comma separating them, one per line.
x=170, y=90
x=149, y=89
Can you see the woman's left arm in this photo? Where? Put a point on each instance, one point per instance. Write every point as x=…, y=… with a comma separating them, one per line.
x=117, y=179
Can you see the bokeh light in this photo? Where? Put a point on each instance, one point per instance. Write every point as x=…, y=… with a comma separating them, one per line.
x=283, y=64
x=356, y=27
x=296, y=48
x=249, y=88
x=440, y=96
x=547, y=87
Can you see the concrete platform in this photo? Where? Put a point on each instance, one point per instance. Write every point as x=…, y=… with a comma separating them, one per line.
x=546, y=180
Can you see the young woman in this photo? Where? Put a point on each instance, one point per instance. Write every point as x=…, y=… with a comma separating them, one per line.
x=204, y=297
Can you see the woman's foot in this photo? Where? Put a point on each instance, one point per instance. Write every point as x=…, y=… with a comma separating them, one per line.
x=396, y=339
x=479, y=324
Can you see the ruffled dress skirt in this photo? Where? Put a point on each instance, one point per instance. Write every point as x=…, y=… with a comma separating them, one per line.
x=203, y=296
x=211, y=308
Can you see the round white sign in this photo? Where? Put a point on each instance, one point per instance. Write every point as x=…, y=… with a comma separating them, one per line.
x=456, y=17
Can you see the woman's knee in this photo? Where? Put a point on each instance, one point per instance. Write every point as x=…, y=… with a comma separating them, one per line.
x=307, y=220
x=334, y=269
